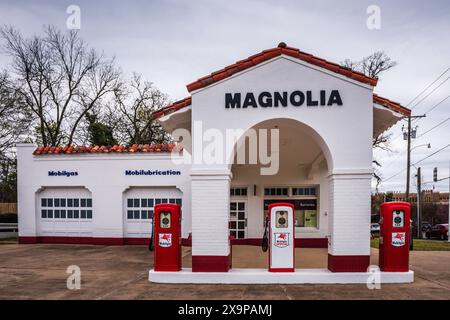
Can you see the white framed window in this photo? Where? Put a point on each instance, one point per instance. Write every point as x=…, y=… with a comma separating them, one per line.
x=304, y=191
x=238, y=191
x=66, y=208
x=143, y=208
x=276, y=191
x=238, y=219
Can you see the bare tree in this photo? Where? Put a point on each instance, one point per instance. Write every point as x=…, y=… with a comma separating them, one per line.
x=372, y=66
x=14, y=120
x=131, y=113
x=60, y=79
x=382, y=142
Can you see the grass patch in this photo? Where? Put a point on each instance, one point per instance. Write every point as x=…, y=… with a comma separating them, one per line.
x=421, y=245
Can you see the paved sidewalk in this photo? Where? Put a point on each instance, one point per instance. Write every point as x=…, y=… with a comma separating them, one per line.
x=121, y=272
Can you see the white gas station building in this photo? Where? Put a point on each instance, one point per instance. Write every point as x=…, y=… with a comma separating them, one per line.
x=322, y=116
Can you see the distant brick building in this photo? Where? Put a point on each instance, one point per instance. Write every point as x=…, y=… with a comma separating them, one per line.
x=434, y=204
x=428, y=196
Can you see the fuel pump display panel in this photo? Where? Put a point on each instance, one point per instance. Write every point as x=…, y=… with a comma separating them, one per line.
x=398, y=219
x=282, y=219
x=164, y=220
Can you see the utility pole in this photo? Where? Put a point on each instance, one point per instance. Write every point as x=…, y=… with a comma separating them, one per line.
x=448, y=234
x=408, y=155
x=408, y=160
x=419, y=202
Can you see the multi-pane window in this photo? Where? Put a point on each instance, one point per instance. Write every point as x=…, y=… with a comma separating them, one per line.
x=238, y=221
x=142, y=208
x=66, y=208
x=276, y=191
x=304, y=191
x=238, y=192
x=305, y=211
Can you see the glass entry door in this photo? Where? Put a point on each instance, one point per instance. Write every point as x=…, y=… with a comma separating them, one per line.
x=238, y=219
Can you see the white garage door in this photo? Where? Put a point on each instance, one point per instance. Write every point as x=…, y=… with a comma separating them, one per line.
x=138, y=208
x=65, y=212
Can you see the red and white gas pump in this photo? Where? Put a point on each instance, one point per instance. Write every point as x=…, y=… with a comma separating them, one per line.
x=167, y=237
x=395, y=236
x=281, y=237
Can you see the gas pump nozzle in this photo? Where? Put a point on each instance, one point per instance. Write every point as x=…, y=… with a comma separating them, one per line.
x=151, y=244
x=265, y=240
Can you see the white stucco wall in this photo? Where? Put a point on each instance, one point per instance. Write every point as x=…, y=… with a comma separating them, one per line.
x=346, y=130
x=104, y=176
x=344, y=134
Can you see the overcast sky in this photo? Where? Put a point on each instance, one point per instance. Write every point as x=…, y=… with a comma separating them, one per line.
x=175, y=42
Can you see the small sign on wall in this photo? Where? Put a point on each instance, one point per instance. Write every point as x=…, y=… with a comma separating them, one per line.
x=62, y=173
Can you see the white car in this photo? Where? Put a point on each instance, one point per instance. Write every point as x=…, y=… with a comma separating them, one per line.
x=374, y=227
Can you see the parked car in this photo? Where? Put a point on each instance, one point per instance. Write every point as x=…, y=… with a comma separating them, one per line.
x=426, y=226
x=374, y=227
x=439, y=231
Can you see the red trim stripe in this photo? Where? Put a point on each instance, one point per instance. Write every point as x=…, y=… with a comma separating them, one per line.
x=186, y=242
x=348, y=263
x=211, y=263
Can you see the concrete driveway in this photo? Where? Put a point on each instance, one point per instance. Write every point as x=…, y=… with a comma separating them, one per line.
x=121, y=272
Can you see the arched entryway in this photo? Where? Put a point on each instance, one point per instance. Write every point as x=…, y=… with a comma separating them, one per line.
x=300, y=177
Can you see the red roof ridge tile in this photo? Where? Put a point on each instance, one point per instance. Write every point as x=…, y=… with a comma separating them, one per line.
x=392, y=105
x=268, y=54
x=135, y=148
x=177, y=105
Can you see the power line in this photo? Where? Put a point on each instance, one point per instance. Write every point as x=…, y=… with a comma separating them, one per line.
x=427, y=87
x=396, y=157
x=429, y=110
x=434, y=153
x=434, y=107
x=439, y=124
x=430, y=93
x=422, y=92
x=429, y=156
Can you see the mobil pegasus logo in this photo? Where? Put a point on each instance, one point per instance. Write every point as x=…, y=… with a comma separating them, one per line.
x=165, y=240
x=62, y=173
x=398, y=239
x=281, y=240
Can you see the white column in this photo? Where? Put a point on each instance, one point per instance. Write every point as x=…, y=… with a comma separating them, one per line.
x=210, y=216
x=349, y=221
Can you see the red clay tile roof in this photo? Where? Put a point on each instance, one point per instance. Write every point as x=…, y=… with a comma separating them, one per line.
x=173, y=107
x=394, y=106
x=135, y=148
x=275, y=52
